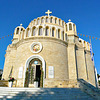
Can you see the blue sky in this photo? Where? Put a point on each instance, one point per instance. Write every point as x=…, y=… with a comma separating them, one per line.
x=84, y=13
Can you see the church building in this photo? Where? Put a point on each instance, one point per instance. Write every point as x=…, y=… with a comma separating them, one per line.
x=50, y=52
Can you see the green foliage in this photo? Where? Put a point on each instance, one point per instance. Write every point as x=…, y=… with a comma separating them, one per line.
x=31, y=75
x=99, y=82
x=98, y=75
x=41, y=80
x=0, y=77
x=26, y=79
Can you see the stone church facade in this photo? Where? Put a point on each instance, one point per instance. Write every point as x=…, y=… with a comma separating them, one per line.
x=48, y=51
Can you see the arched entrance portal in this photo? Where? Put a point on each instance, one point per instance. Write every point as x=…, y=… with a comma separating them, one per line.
x=34, y=70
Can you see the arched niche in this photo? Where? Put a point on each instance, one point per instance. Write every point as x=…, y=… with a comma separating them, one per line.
x=27, y=65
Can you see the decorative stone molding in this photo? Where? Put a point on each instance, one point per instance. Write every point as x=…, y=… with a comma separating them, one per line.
x=36, y=47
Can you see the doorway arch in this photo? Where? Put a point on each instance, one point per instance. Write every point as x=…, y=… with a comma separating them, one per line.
x=27, y=65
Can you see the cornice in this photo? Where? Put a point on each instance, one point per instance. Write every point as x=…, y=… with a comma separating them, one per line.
x=47, y=39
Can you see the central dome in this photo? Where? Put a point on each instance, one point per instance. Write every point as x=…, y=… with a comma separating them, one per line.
x=45, y=26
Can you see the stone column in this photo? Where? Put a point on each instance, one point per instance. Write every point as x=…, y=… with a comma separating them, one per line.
x=56, y=33
x=90, y=68
x=72, y=61
x=81, y=64
x=43, y=31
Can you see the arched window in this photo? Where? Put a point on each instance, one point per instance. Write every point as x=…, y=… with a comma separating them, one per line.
x=66, y=28
x=34, y=31
x=47, y=19
x=35, y=21
x=55, y=20
x=58, y=33
x=53, y=31
x=17, y=32
x=59, y=21
x=70, y=26
x=80, y=41
x=62, y=35
x=47, y=31
x=51, y=20
x=38, y=21
x=65, y=37
x=42, y=20
x=40, y=31
x=21, y=29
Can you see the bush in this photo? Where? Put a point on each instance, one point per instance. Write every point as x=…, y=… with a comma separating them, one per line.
x=0, y=76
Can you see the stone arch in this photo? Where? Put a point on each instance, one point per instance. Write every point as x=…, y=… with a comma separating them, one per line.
x=40, y=31
x=55, y=20
x=27, y=32
x=21, y=33
x=51, y=20
x=53, y=31
x=34, y=21
x=59, y=33
x=66, y=28
x=59, y=22
x=65, y=36
x=62, y=35
x=62, y=23
x=33, y=31
x=17, y=30
x=38, y=21
x=47, y=20
x=43, y=66
x=70, y=26
x=47, y=31
x=42, y=20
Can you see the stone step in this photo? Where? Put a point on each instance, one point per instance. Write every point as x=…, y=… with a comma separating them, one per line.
x=43, y=94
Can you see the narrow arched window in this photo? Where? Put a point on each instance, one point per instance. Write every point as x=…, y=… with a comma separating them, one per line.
x=21, y=29
x=70, y=26
x=51, y=20
x=47, y=19
x=17, y=32
x=40, y=31
x=59, y=22
x=59, y=33
x=62, y=35
x=53, y=32
x=42, y=21
x=47, y=31
x=65, y=37
x=38, y=21
x=34, y=31
x=66, y=27
x=34, y=21
x=55, y=20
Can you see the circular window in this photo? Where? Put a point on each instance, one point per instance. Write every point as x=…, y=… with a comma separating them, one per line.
x=36, y=47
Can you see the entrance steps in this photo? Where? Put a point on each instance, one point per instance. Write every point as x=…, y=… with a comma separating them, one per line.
x=7, y=93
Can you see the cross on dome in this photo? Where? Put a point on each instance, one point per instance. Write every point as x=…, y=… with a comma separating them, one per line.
x=48, y=12
x=69, y=20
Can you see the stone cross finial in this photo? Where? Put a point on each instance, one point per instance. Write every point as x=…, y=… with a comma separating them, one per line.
x=48, y=12
x=21, y=24
x=69, y=20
